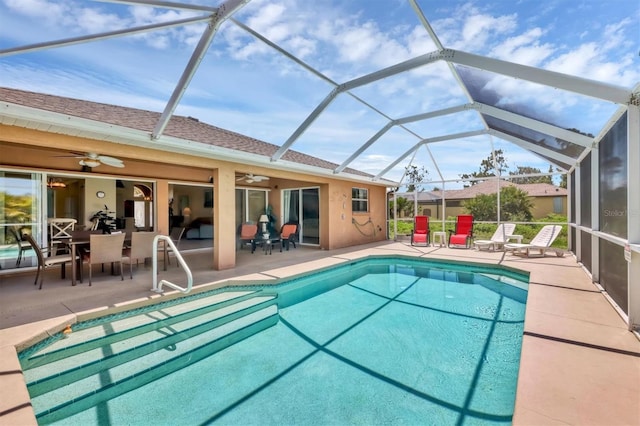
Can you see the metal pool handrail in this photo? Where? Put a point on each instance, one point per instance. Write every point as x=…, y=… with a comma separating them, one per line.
x=157, y=287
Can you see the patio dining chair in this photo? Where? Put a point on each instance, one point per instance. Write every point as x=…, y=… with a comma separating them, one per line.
x=46, y=261
x=105, y=248
x=22, y=244
x=141, y=249
x=463, y=232
x=60, y=229
x=421, y=232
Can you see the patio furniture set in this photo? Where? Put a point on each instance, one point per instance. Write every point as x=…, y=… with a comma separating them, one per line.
x=250, y=235
x=462, y=237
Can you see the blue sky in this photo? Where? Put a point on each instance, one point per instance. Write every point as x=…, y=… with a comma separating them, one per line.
x=245, y=86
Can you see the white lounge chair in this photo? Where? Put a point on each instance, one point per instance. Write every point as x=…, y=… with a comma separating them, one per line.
x=540, y=243
x=502, y=235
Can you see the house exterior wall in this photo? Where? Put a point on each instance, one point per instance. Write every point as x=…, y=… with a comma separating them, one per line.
x=30, y=149
x=542, y=206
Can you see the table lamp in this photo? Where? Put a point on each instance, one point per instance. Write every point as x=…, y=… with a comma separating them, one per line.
x=264, y=219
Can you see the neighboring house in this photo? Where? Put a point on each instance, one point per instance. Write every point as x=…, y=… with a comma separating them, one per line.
x=192, y=173
x=546, y=198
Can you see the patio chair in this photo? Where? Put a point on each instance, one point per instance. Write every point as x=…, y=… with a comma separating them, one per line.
x=248, y=233
x=105, y=248
x=288, y=235
x=463, y=233
x=60, y=229
x=141, y=249
x=46, y=261
x=540, y=243
x=22, y=244
x=421, y=232
x=498, y=239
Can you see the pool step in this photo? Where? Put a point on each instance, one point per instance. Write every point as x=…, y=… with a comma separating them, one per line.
x=92, y=372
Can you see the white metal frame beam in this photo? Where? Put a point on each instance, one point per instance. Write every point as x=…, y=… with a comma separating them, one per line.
x=352, y=84
x=101, y=36
x=427, y=141
x=534, y=148
x=225, y=10
x=548, y=129
x=400, y=121
x=583, y=86
x=165, y=4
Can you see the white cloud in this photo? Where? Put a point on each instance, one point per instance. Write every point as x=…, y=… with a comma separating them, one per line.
x=524, y=48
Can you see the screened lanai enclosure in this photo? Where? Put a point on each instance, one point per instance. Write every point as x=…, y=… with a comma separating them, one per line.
x=379, y=87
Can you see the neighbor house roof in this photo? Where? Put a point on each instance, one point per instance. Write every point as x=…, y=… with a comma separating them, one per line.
x=488, y=187
x=187, y=128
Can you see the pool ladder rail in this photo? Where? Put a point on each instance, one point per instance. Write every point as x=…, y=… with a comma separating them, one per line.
x=157, y=286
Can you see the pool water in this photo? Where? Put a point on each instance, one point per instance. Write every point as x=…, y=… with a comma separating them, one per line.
x=380, y=342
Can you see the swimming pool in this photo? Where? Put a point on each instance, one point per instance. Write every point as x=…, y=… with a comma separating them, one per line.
x=374, y=342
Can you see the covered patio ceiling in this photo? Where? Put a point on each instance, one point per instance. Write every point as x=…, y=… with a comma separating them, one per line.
x=428, y=102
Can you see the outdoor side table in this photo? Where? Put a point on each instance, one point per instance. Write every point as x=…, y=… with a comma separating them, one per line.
x=440, y=238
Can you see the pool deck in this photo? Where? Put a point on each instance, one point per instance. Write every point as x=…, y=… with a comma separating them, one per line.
x=579, y=366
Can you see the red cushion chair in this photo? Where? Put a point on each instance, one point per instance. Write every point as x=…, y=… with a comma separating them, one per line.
x=420, y=233
x=463, y=233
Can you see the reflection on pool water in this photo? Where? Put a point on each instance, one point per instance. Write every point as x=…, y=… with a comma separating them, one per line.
x=374, y=342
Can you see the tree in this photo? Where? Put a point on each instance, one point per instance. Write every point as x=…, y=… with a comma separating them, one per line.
x=415, y=177
x=403, y=206
x=526, y=170
x=488, y=168
x=515, y=205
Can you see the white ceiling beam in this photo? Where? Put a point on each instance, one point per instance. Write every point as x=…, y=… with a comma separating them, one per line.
x=539, y=126
x=225, y=10
x=101, y=36
x=583, y=86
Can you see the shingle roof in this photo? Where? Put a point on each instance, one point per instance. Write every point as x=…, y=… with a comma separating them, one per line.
x=489, y=187
x=179, y=126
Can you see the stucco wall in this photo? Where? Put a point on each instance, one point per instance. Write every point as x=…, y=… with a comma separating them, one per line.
x=347, y=228
x=339, y=227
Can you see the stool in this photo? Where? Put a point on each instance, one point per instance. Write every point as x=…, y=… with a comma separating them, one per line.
x=440, y=238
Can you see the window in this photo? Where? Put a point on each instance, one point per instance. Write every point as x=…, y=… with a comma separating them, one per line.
x=557, y=205
x=359, y=200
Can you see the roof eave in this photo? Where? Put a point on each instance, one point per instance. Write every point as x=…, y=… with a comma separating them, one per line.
x=34, y=118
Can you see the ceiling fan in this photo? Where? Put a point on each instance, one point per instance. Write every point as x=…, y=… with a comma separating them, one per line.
x=250, y=178
x=93, y=159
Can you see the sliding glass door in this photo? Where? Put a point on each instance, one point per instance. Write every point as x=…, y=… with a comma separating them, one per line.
x=303, y=206
x=21, y=212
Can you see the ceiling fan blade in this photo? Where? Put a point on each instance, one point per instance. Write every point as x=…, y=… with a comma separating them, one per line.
x=110, y=161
